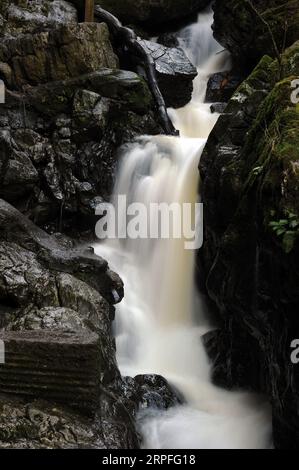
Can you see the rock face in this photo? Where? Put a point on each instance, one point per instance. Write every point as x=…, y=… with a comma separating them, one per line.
x=65, y=114
x=175, y=73
x=61, y=53
x=152, y=12
x=38, y=424
x=149, y=392
x=31, y=16
x=239, y=28
x=58, y=157
x=38, y=272
x=250, y=255
x=55, y=314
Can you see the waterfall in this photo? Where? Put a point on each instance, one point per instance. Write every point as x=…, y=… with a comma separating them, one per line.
x=160, y=322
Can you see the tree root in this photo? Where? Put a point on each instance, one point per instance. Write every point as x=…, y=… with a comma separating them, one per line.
x=130, y=43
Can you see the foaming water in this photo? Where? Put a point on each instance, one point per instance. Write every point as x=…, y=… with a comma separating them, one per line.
x=160, y=322
x=209, y=57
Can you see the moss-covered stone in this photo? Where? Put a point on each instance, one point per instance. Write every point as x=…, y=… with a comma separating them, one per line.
x=251, y=250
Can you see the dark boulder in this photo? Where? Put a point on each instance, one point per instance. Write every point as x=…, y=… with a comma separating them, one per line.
x=175, y=73
x=151, y=12
x=56, y=299
x=221, y=86
x=149, y=392
x=31, y=16
x=61, y=126
x=218, y=107
x=58, y=156
x=38, y=424
x=249, y=171
x=244, y=30
x=155, y=392
x=63, y=52
x=36, y=246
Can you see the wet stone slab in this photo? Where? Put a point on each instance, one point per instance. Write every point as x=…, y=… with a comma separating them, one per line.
x=61, y=366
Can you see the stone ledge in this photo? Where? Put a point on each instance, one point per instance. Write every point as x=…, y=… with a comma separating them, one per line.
x=60, y=366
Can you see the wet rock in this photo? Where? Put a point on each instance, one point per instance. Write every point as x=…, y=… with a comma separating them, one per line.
x=175, y=73
x=31, y=16
x=218, y=107
x=47, y=318
x=59, y=139
x=90, y=117
x=250, y=253
x=39, y=424
x=63, y=52
x=221, y=86
x=151, y=11
x=18, y=174
x=59, y=155
x=246, y=34
x=45, y=286
x=62, y=366
x=155, y=392
x=23, y=279
x=119, y=85
x=44, y=253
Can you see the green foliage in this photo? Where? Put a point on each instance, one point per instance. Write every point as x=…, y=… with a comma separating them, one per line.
x=287, y=229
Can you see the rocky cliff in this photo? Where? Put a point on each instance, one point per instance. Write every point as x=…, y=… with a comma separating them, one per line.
x=250, y=257
x=253, y=28
x=68, y=108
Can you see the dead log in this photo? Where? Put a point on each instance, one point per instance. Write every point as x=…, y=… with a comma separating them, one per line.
x=130, y=43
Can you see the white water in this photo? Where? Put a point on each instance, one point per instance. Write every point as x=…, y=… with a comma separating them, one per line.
x=161, y=319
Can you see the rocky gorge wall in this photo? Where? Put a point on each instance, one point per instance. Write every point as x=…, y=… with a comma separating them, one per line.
x=68, y=108
x=250, y=256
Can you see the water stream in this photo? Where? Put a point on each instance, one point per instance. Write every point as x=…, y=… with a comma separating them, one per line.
x=160, y=322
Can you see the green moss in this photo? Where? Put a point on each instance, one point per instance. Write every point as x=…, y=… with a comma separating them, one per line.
x=268, y=166
x=244, y=27
x=274, y=139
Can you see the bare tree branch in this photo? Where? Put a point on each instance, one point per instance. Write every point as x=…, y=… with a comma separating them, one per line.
x=129, y=40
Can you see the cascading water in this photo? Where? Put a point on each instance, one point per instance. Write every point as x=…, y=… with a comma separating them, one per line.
x=162, y=318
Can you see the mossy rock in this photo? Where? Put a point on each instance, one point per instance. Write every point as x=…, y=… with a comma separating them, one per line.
x=245, y=30
x=250, y=188
x=274, y=139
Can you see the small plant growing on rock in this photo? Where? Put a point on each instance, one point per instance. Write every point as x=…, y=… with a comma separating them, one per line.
x=287, y=229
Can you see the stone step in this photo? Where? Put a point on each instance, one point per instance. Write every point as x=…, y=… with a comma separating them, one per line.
x=61, y=366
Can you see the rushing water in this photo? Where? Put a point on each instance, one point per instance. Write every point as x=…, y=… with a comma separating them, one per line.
x=160, y=322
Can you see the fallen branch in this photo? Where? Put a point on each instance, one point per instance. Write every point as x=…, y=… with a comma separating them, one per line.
x=129, y=40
